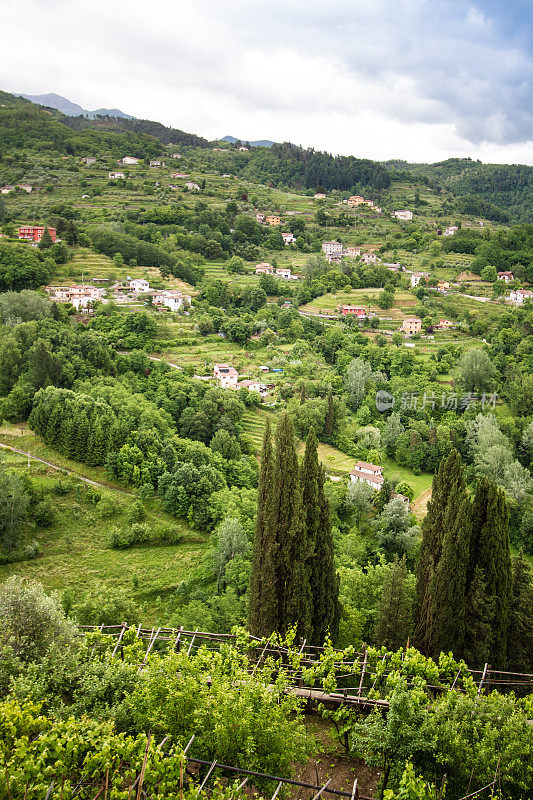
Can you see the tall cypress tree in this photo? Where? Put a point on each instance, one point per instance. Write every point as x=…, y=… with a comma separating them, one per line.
x=394, y=618
x=448, y=477
x=491, y=553
x=520, y=634
x=479, y=616
x=293, y=587
x=450, y=576
x=324, y=581
x=262, y=605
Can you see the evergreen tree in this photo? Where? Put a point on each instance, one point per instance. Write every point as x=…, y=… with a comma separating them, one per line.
x=448, y=477
x=394, y=618
x=490, y=551
x=262, y=604
x=303, y=396
x=520, y=633
x=450, y=577
x=293, y=588
x=479, y=616
x=323, y=580
x=46, y=239
x=329, y=421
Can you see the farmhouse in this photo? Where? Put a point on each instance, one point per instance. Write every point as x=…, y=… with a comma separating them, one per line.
x=411, y=325
x=178, y=175
x=115, y=175
x=227, y=377
x=7, y=189
x=505, y=276
x=157, y=163
x=353, y=311
x=192, y=187
x=368, y=473
x=262, y=389
x=370, y=258
x=450, y=230
x=445, y=324
x=405, y=215
x=172, y=299
x=351, y=251
x=88, y=160
x=283, y=272
x=520, y=296
x=273, y=219
x=356, y=200
x=260, y=218
x=418, y=277
x=139, y=285
x=79, y=296
x=288, y=238
x=264, y=269
x=332, y=250
x=319, y=196
x=129, y=160
x=243, y=149
x=34, y=233
x=25, y=187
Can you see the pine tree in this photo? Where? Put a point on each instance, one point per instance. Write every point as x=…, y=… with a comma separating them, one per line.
x=323, y=580
x=46, y=239
x=329, y=420
x=491, y=553
x=520, y=633
x=449, y=597
x=394, y=618
x=448, y=477
x=293, y=589
x=262, y=605
x=479, y=616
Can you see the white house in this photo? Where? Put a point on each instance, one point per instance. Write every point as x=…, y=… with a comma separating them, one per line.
x=332, y=250
x=172, y=299
x=178, y=175
x=7, y=189
x=288, y=238
x=450, y=231
x=193, y=187
x=255, y=386
x=243, y=149
x=417, y=277
x=157, y=163
x=368, y=473
x=405, y=215
x=520, y=296
x=129, y=160
x=114, y=175
x=370, y=258
x=351, y=251
x=505, y=276
x=283, y=272
x=264, y=268
x=320, y=196
x=227, y=377
x=139, y=285
x=79, y=296
x=88, y=160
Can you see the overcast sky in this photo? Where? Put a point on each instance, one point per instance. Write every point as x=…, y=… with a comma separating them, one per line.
x=416, y=79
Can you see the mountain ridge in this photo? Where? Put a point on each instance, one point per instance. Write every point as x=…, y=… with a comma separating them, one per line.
x=70, y=109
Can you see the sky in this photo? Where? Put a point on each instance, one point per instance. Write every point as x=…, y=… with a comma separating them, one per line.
x=421, y=80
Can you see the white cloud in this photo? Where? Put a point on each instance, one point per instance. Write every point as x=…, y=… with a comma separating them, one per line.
x=419, y=79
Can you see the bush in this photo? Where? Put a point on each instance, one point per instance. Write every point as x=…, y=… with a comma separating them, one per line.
x=32, y=620
x=137, y=512
x=104, y=606
x=44, y=513
x=105, y=508
x=120, y=539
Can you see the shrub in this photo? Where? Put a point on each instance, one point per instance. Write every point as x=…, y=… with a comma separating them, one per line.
x=44, y=513
x=105, y=508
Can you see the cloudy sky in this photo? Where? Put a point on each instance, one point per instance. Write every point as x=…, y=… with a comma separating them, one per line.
x=416, y=79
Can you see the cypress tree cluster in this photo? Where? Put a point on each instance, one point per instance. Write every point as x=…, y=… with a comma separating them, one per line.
x=293, y=580
x=464, y=577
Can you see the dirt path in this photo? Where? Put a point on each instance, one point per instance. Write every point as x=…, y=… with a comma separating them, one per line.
x=66, y=470
x=420, y=505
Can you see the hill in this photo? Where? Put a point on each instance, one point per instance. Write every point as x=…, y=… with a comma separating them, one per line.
x=256, y=143
x=71, y=109
x=509, y=186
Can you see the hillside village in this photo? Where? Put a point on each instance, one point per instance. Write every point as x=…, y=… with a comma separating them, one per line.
x=271, y=368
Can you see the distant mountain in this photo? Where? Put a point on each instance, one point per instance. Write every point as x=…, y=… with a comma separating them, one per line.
x=71, y=109
x=257, y=143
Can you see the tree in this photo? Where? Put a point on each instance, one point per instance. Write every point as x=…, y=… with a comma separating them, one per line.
x=14, y=506
x=46, y=240
x=323, y=579
x=329, y=420
x=479, y=617
x=477, y=373
x=520, y=634
x=394, y=616
x=489, y=273
x=489, y=550
x=262, y=605
x=44, y=367
x=447, y=479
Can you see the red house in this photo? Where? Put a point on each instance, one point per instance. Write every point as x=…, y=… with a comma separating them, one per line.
x=353, y=311
x=34, y=233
